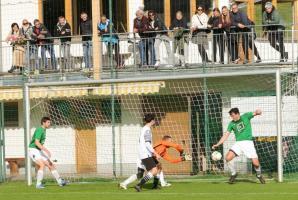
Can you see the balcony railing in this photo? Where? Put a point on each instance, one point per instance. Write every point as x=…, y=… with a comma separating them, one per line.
x=161, y=51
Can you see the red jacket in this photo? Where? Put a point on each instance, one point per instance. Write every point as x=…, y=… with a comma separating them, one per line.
x=142, y=26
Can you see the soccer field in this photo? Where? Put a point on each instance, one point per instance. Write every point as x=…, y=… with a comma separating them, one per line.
x=243, y=189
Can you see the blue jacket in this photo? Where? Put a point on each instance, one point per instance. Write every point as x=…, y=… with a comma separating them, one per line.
x=104, y=31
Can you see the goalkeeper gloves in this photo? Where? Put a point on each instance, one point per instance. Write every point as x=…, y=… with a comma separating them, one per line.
x=186, y=157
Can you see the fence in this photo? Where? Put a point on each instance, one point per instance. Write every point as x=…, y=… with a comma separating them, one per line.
x=95, y=124
x=163, y=51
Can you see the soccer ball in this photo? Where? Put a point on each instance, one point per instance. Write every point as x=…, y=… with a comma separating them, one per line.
x=216, y=156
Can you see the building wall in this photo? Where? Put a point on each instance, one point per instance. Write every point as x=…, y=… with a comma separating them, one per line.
x=14, y=11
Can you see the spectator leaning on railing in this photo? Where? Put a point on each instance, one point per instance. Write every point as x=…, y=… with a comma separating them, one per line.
x=225, y=24
x=199, y=32
x=111, y=41
x=156, y=24
x=26, y=30
x=86, y=31
x=242, y=26
x=240, y=23
x=141, y=26
x=63, y=31
x=42, y=38
x=273, y=25
x=179, y=27
x=15, y=39
x=218, y=35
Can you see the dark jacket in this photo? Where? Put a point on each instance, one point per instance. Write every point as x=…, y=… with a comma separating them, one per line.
x=159, y=26
x=239, y=17
x=214, y=23
x=86, y=29
x=179, y=24
x=273, y=20
x=180, y=27
x=41, y=31
x=62, y=30
x=142, y=25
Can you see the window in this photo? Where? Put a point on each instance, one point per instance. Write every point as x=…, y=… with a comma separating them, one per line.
x=181, y=5
x=52, y=9
x=11, y=114
x=206, y=4
x=119, y=13
x=79, y=6
x=157, y=6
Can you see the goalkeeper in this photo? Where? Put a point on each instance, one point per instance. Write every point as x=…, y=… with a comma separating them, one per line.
x=161, y=148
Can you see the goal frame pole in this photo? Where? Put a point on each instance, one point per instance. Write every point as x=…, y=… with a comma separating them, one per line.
x=275, y=72
x=279, y=126
x=26, y=101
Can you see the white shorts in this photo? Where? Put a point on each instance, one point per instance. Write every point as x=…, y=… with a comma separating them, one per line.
x=36, y=154
x=245, y=147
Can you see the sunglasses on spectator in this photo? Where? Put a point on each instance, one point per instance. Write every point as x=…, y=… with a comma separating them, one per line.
x=200, y=9
x=25, y=23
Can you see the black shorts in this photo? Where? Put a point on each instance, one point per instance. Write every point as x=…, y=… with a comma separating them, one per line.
x=149, y=163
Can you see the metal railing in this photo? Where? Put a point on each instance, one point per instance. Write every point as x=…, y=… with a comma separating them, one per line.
x=170, y=50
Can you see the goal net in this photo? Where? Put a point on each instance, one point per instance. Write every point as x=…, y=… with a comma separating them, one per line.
x=95, y=128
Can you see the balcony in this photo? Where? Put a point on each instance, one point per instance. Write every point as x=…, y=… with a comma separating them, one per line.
x=72, y=66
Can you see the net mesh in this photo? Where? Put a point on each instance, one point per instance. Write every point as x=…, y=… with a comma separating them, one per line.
x=95, y=129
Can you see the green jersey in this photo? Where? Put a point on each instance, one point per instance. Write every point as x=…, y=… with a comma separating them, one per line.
x=39, y=134
x=242, y=128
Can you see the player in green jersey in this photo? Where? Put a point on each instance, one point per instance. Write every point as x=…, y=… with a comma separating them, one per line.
x=241, y=127
x=41, y=155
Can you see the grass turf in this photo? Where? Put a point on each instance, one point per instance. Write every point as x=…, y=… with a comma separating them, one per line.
x=182, y=189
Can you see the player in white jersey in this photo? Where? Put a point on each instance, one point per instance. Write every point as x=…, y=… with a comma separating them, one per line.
x=140, y=173
x=147, y=154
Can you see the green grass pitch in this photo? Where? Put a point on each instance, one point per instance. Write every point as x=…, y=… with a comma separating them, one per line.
x=180, y=190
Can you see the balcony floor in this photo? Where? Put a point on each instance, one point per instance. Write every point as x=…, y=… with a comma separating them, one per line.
x=15, y=80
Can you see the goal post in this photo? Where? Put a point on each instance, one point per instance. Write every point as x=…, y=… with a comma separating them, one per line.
x=96, y=123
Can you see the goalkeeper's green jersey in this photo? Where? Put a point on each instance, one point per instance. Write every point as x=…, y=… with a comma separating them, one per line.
x=242, y=128
x=39, y=134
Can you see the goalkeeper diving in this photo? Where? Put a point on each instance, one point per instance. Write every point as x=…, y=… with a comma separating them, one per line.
x=161, y=148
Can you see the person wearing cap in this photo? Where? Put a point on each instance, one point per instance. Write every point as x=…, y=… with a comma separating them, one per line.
x=273, y=26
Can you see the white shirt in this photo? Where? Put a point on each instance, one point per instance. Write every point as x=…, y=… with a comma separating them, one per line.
x=199, y=21
x=145, y=143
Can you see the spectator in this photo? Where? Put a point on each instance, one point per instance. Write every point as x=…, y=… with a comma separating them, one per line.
x=111, y=41
x=26, y=32
x=239, y=28
x=242, y=26
x=218, y=35
x=15, y=39
x=272, y=22
x=42, y=38
x=63, y=31
x=225, y=24
x=86, y=32
x=155, y=24
x=179, y=27
x=199, y=32
x=141, y=26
